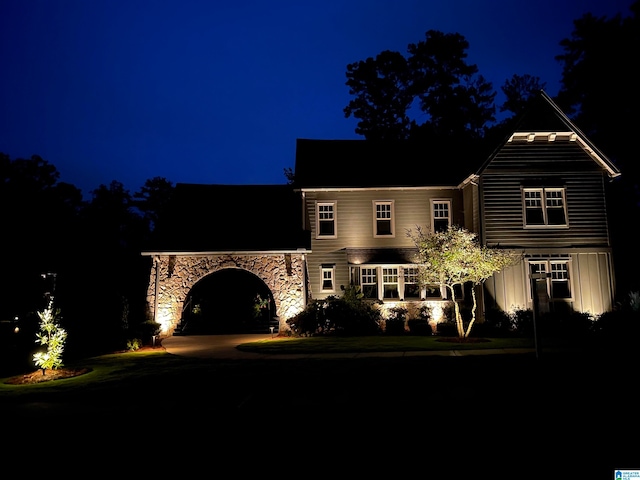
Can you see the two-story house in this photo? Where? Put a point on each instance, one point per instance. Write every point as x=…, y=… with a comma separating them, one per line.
x=540, y=191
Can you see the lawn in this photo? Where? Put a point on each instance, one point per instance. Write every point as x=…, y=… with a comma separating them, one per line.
x=390, y=343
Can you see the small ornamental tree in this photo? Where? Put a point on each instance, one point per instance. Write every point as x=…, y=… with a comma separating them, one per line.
x=455, y=257
x=53, y=337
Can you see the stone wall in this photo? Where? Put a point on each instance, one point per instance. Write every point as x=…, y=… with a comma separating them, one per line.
x=173, y=276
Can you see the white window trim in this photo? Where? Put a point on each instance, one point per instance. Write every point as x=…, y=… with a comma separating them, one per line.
x=401, y=284
x=392, y=219
x=331, y=269
x=435, y=201
x=548, y=262
x=334, y=204
x=543, y=199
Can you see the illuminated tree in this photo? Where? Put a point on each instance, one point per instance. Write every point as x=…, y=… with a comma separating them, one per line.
x=455, y=257
x=53, y=337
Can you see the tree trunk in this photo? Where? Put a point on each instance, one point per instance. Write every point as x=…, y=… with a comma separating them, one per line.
x=473, y=311
x=456, y=307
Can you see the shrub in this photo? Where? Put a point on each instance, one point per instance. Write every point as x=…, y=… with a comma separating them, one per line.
x=419, y=326
x=497, y=322
x=349, y=314
x=52, y=336
x=395, y=322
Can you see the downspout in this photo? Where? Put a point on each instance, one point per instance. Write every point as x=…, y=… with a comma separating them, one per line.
x=156, y=262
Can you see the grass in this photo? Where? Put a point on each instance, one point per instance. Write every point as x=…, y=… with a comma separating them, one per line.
x=367, y=344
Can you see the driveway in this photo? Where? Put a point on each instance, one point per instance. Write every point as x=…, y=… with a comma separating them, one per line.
x=213, y=346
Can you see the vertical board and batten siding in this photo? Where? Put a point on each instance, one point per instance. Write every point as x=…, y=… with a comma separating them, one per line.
x=591, y=284
x=354, y=225
x=547, y=164
x=586, y=239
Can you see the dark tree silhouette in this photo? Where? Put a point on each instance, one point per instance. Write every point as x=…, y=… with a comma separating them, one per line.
x=152, y=200
x=382, y=90
x=456, y=100
x=453, y=100
x=518, y=90
x=599, y=92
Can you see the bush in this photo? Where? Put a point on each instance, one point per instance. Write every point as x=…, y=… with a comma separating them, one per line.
x=349, y=314
x=395, y=323
x=496, y=323
x=419, y=326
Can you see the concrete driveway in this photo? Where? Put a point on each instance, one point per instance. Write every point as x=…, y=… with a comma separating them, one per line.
x=213, y=346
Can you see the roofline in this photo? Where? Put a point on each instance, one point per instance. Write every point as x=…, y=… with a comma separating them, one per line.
x=181, y=253
x=591, y=149
x=360, y=189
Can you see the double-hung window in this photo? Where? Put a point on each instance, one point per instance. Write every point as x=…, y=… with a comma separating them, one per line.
x=369, y=282
x=554, y=276
x=326, y=220
x=328, y=278
x=411, y=283
x=440, y=215
x=390, y=282
x=544, y=207
x=383, y=225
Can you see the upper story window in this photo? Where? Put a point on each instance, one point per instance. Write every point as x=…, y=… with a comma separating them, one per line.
x=326, y=220
x=544, y=207
x=383, y=225
x=440, y=215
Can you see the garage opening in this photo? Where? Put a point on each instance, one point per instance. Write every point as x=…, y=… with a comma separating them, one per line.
x=228, y=301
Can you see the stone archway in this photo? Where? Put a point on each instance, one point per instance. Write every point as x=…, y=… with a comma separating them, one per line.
x=225, y=301
x=173, y=276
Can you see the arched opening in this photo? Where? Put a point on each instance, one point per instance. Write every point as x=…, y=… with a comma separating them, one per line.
x=228, y=301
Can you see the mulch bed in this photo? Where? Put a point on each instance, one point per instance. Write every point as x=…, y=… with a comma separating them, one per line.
x=49, y=375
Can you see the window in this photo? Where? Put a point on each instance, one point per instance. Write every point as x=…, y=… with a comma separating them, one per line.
x=411, y=284
x=327, y=276
x=326, y=220
x=553, y=277
x=369, y=282
x=383, y=216
x=390, y=282
x=544, y=207
x=440, y=215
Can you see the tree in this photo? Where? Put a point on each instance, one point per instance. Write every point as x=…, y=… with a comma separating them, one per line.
x=599, y=92
x=456, y=100
x=381, y=86
x=599, y=82
x=152, y=200
x=51, y=335
x=452, y=98
x=518, y=90
x=453, y=258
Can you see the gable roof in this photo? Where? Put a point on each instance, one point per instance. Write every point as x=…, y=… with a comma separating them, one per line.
x=542, y=117
x=231, y=218
x=369, y=164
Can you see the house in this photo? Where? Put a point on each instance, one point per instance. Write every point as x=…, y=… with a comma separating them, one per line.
x=346, y=215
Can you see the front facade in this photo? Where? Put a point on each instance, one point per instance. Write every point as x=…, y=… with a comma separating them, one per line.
x=540, y=192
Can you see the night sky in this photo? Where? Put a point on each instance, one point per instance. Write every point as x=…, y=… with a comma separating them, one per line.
x=218, y=92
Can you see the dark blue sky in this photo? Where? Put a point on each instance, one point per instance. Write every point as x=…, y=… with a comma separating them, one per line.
x=217, y=92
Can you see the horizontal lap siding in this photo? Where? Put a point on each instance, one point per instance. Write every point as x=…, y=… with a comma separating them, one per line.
x=526, y=165
x=354, y=215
